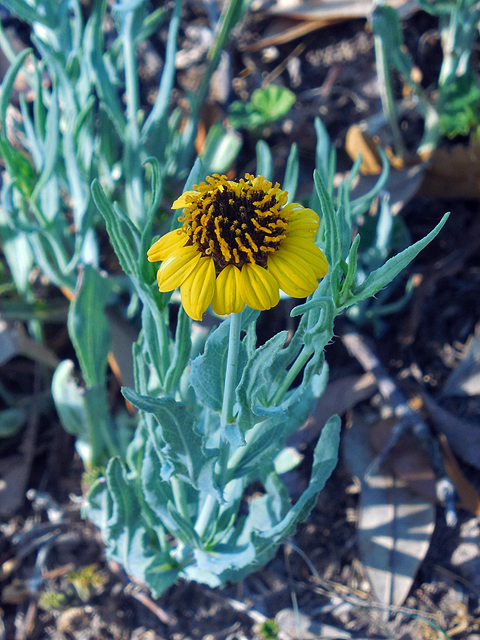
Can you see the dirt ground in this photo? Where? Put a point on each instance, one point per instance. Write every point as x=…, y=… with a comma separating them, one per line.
x=317, y=585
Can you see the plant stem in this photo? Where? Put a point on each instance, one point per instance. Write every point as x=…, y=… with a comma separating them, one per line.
x=210, y=504
x=292, y=373
x=386, y=95
x=231, y=370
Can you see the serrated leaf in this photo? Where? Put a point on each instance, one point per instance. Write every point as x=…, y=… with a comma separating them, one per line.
x=324, y=462
x=176, y=437
x=124, y=519
x=158, y=494
x=257, y=384
x=221, y=564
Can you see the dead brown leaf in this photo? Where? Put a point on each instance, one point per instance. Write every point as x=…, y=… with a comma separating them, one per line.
x=406, y=460
x=469, y=498
x=453, y=173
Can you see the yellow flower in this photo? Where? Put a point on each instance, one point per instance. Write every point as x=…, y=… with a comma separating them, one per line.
x=240, y=242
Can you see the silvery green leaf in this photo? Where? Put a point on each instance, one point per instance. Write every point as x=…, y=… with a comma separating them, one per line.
x=359, y=206
x=101, y=436
x=156, y=190
x=7, y=85
x=176, y=439
x=156, y=340
x=324, y=155
x=324, y=462
x=386, y=273
x=221, y=149
x=17, y=252
x=32, y=141
x=11, y=421
x=25, y=12
x=50, y=147
x=151, y=24
x=158, y=494
x=262, y=443
x=121, y=238
x=181, y=352
x=69, y=399
x=266, y=511
x=257, y=384
x=93, y=47
x=290, y=181
x=88, y=326
x=219, y=565
x=207, y=375
x=264, y=160
x=159, y=111
x=125, y=532
x=160, y=574
x=333, y=246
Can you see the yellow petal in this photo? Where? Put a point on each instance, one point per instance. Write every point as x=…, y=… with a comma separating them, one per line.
x=227, y=298
x=308, y=251
x=303, y=221
x=181, y=202
x=294, y=275
x=258, y=288
x=198, y=288
x=167, y=244
x=176, y=268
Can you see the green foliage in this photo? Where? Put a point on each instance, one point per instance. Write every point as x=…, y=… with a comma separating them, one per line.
x=269, y=630
x=87, y=581
x=187, y=469
x=460, y=99
x=52, y=600
x=454, y=108
x=170, y=502
x=80, y=131
x=265, y=106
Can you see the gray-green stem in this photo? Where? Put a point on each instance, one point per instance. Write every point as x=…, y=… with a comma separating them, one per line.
x=210, y=505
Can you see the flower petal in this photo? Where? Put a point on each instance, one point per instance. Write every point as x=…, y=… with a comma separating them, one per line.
x=304, y=221
x=198, y=288
x=258, y=288
x=227, y=298
x=293, y=274
x=167, y=244
x=308, y=251
x=182, y=202
x=176, y=268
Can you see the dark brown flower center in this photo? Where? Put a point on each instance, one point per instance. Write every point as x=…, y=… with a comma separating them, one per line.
x=236, y=223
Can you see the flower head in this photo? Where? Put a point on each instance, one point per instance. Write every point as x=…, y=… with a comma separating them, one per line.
x=240, y=242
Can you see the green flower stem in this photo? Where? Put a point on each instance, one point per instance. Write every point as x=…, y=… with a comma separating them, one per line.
x=231, y=370
x=210, y=505
x=302, y=359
